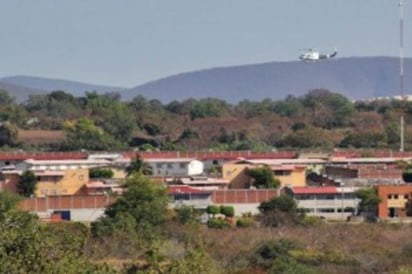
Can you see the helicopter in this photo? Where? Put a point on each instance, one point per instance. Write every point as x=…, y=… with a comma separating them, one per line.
x=310, y=55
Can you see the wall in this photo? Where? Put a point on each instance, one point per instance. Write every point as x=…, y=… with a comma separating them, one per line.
x=242, y=196
x=388, y=200
x=235, y=174
x=71, y=183
x=297, y=177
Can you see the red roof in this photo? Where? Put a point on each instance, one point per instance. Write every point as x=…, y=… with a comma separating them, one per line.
x=314, y=190
x=21, y=156
x=181, y=189
x=213, y=155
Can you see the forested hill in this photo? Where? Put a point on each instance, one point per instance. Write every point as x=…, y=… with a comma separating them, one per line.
x=355, y=78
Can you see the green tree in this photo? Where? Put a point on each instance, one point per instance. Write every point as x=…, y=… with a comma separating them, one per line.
x=213, y=209
x=208, y=107
x=28, y=246
x=228, y=211
x=101, y=173
x=84, y=134
x=8, y=134
x=328, y=109
x=117, y=121
x=364, y=139
x=8, y=201
x=141, y=209
x=307, y=137
x=26, y=185
x=279, y=211
x=187, y=214
x=138, y=165
x=263, y=177
x=369, y=200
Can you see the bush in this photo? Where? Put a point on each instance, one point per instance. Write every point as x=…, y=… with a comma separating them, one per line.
x=245, y=222
x=218, y=223
x=228, y=211
x=101, y=173
x=311, y=221
x=213, y=209
x=187, y=215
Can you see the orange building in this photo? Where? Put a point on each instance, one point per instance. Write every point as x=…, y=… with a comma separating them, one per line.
x=395, y=200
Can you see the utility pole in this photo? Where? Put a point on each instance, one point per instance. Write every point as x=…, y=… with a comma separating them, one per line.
x=401, y=73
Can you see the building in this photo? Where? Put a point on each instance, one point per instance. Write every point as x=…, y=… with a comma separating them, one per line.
x=288, y=174
x=328, y=202
x=395, y=200
x=181, y=195
x=205, y=183
x=175, y=167
x=50, y=182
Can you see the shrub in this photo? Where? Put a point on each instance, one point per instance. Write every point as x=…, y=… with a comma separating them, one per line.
x=245, y=222
x=217, y=223
x=228, y=211
x=187, y=215
x=213, y=209
x=101, y=173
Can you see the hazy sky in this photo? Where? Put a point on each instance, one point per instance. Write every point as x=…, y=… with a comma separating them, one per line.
x=130, y=42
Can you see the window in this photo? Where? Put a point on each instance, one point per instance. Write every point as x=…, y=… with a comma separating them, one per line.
x=395, y=196
x=282, y=172
x=182, y=165
x=169, y=166
x=389, y=196
x=159, y=165
x=304, y=197
x=326, y=210
x=325, y=197
x=406, y=196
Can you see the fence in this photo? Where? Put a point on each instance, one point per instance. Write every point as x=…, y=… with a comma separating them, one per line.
x=231, y=196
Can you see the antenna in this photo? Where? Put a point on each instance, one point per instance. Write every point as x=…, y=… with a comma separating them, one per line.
x=401, y=72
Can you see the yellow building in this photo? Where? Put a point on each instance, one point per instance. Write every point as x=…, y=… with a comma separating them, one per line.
x=288, y=175
x=61, y=182
x=50, y=182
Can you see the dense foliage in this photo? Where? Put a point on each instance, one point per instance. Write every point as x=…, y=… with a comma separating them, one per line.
x=26, y=186
x=318, y=119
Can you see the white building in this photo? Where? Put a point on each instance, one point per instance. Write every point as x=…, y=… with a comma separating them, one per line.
x=327, y=201
x=176, y=167
x=36, y=165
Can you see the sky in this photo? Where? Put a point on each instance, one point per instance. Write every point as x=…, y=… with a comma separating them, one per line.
x=130, y=42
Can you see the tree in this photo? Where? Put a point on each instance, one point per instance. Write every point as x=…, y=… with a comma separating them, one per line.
x=228, y=211
x=101, y=173
x=27, y=184
x=28, y=246
x=8, y=201
x=84, y=134
x=140, y=210
x=8, y=134
x=263, y=177
x=213, y=209
x=5, y=98
x=369, y=200
x=281, y=210
x=364, y=139
x=138, y=165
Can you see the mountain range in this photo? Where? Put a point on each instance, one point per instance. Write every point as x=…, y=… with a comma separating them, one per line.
x=354, y=77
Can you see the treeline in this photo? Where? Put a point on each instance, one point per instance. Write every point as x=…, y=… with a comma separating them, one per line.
x=318, y=119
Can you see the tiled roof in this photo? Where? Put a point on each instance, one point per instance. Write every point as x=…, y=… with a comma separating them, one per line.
x=21, y=156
